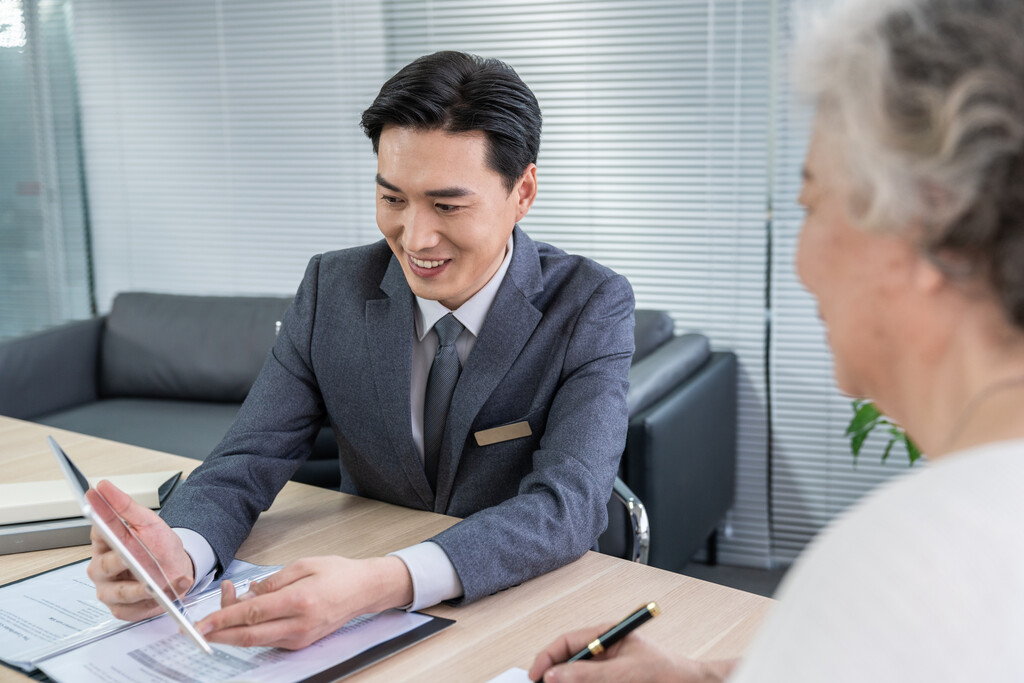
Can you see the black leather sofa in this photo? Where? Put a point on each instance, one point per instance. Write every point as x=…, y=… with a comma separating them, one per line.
x=680, y=456
x=168, y=372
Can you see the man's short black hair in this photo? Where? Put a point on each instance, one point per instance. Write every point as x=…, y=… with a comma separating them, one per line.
x=458, y=93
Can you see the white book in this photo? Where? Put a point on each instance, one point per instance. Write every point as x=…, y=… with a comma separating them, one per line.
x=37, y=501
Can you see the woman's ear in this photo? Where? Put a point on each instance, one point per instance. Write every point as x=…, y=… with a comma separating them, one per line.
x=928, y=277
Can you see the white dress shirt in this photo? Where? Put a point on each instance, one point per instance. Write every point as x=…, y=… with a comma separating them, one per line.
x=434, y=578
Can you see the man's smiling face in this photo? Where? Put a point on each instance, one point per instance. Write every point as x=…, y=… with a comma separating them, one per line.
x=446, y=214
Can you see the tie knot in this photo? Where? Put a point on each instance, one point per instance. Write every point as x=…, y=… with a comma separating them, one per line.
x=448, y=329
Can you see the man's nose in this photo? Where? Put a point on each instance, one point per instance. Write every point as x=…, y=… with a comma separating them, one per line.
x=420, y=232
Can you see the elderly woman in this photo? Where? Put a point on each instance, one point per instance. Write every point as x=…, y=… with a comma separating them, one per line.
x=913, y=245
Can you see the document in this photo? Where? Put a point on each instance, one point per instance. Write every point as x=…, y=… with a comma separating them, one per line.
x=53, y=622
x=515, y=675
x=56, y=611
x=155, y=651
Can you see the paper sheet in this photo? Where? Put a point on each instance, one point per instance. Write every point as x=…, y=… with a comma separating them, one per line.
x=512, y=676
x=56, y=610
x=155, y=652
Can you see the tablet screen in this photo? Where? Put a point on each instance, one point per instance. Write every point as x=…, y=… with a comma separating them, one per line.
x=123, y=540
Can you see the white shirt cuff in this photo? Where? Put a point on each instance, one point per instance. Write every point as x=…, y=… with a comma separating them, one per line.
x=203, y=560
x=433, y=575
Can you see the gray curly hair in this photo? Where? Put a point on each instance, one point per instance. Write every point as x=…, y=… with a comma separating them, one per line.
x=929, y=98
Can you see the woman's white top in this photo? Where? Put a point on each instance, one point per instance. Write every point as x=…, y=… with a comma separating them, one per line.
x=922, y=580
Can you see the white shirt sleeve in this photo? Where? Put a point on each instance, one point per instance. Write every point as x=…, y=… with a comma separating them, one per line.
x=203, y=560
x=434, y=578
x=433, y=575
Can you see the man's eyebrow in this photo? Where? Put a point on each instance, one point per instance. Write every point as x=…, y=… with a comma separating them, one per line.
x=449, y=192
x=384, y=183
x=443, y=192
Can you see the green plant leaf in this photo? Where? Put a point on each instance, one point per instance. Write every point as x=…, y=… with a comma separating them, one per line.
x=912, y=451
x=864, y=419
x=887, y=449
x=857, y=440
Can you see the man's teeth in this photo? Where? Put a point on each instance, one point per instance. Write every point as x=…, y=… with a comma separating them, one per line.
x=426, y=264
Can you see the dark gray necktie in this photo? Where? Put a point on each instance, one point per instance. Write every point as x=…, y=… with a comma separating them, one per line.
x=444, y=374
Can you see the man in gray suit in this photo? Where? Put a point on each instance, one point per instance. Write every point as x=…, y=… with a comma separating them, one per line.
x=463, y=367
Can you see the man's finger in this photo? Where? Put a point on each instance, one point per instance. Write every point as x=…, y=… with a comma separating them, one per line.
x=111, y=564
x=120, y=501
x=249, y=612
x=291, y=573
x=124, y=593
x=136, y=611
x=136, y=514
x=227, y=594
x=99, y=544
x=290, y=633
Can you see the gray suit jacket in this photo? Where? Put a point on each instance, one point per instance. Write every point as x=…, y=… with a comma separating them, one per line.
x=554, y=351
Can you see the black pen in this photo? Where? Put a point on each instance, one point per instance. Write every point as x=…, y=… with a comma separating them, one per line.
x=617, y=632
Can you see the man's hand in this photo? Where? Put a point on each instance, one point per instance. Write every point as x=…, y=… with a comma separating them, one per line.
x=127, y=598
x=632, y=660
x=307, y=600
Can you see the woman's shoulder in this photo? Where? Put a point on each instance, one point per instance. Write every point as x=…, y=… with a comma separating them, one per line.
x=923, y=576
x=985, y=479
x=968, y=498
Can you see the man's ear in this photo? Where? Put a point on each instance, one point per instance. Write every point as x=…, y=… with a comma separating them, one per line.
x=526, y=191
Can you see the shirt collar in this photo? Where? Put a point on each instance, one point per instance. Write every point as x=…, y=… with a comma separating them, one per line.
x=472, y=313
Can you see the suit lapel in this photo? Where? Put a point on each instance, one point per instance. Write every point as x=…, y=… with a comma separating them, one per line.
x=389, y=329
x=508, y=326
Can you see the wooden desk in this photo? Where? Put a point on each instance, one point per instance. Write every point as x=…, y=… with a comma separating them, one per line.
x=699, y=619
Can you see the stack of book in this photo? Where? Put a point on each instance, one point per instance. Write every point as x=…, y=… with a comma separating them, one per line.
x=39, y=515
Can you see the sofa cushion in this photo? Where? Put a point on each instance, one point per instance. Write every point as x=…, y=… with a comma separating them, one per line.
x=189, y=428
x=651, y=330
x=664, y=369
x=201, y=348
x=50, y=370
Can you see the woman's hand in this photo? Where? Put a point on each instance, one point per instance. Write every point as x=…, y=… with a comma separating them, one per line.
x=634, y=659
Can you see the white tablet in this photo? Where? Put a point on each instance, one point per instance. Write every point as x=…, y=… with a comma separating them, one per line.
x=119, y=536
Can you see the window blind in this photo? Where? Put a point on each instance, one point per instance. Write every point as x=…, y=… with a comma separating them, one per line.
x=44, y=260
x=223, y=149
x=653, y=162
x=814, y=476
x=221, y=139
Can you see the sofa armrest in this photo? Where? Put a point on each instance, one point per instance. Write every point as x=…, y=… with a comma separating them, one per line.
x=51, y=370
x=680, y=460
x=668, y=366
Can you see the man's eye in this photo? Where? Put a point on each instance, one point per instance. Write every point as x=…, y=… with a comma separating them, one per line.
x=446, y=208
x=388, y=199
